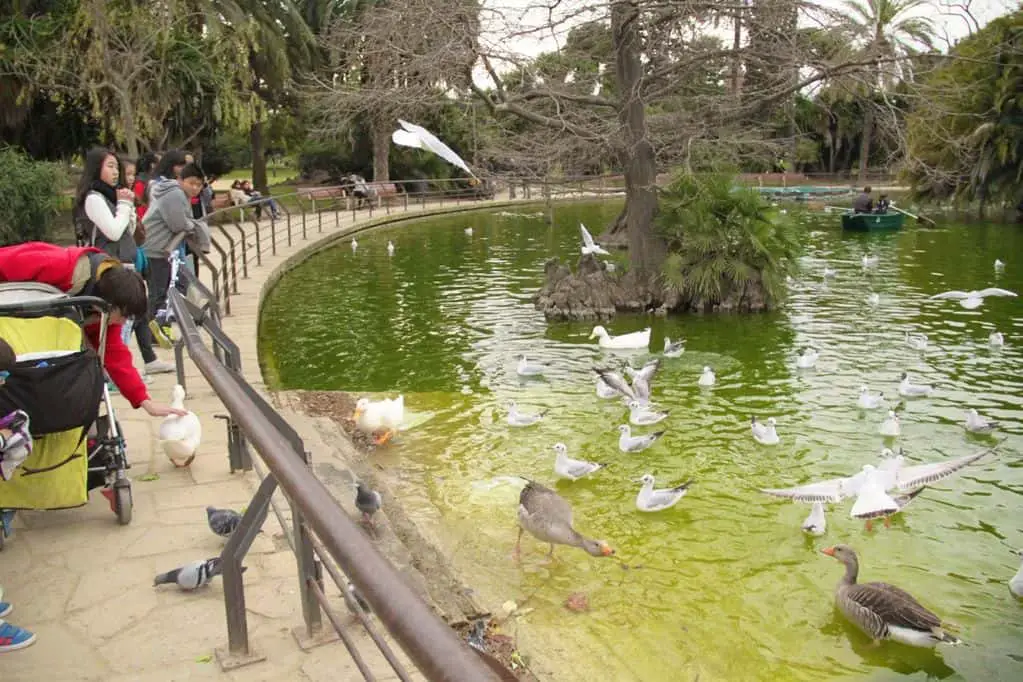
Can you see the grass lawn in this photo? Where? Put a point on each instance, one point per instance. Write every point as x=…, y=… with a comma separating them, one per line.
x=275, y=175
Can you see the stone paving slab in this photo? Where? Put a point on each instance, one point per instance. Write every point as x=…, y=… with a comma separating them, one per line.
x=83, y=583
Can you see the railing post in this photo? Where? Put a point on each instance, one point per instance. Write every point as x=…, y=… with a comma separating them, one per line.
x=244, y=239
x=304, y=235
x=234, y=257
x=319, y=220
x=259, y=247
x=273, y=234
x=309, y=570
x=289, y=228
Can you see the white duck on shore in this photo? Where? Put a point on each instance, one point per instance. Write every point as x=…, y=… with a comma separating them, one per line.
x=381, y=418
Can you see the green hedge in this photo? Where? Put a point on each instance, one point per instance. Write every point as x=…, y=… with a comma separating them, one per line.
x=30, y=197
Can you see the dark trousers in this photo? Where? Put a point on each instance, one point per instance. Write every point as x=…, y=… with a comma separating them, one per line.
x=144, y=337
x=158, y=281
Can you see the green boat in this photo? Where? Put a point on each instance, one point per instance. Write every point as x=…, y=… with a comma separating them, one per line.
x=865, y=222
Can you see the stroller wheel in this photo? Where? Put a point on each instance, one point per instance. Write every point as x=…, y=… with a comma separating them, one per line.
x=122, y=502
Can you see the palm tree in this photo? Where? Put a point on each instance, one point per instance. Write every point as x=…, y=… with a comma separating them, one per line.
x=888, y=30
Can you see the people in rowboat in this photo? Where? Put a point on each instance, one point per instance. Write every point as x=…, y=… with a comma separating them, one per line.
x=864, y=203
x=882, y=204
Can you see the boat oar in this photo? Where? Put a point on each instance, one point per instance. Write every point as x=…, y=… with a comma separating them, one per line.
x=918, y=218
x=843, y=209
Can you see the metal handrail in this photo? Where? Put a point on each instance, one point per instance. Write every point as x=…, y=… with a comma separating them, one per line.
x=433, y=646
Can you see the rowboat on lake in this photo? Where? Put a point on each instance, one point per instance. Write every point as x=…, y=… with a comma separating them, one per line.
x=866, y=222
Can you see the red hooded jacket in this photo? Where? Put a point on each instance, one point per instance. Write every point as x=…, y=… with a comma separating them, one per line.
x=55, y=265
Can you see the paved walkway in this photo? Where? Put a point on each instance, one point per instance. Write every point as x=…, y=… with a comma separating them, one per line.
x=83, y=584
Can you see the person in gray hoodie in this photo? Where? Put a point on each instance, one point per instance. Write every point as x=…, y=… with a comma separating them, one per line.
x=169, y=215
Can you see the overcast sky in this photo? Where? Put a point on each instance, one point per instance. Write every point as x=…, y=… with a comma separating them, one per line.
x=529, y=16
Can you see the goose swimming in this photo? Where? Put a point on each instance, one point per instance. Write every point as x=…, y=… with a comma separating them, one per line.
x=971, y=299
x=572, y=469
x=884, y=611
x=547, y=516
x=651, y=500
x=633, y=341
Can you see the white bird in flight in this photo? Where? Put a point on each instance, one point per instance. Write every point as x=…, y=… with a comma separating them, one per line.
x=971, y=299
x=589, y=246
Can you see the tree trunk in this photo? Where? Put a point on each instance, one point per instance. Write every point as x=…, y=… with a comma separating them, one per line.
x=381, y=149
x=646, y=249
x=258, y=154
x=131, y=137
x=737, y=59
x=868, y=131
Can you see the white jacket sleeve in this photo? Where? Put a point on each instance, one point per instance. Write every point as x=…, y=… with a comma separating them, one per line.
x=111, y=225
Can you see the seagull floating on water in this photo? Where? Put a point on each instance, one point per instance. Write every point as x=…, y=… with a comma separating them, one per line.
x=1016, y=583
x=640, y=415
x=910, y=390
x=634, y=341
x=890, y=426
x=765, y=434
x=999, y=265
x=996, y=339
x=707, y=378
x=816, y=523
x=673, y=350
x=651, y=500
x=830, y=272
x=390, y=248
x=971, y=299
x=916, y=341
x=870, y=261
x=525, y=369
x=808, y=359
x=516, y=418
x=629, y=443
x=572, y=469
x=866, y=401
x=355, y=244
x=589, y=246
x=874, y=299
x=468, y=231
x=978, y=424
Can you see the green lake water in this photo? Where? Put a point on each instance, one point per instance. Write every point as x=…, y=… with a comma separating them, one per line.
x=723, y=586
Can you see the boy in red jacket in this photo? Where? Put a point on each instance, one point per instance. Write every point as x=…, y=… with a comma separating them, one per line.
x=87, y=271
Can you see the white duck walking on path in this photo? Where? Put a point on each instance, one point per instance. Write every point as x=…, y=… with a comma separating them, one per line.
x=651, y=500
x=911, y=390
x=816, y=523
x=884, y=611
x=673, y=349
x=978, y=424
x=765, y=434
x=548, y=517
x=634, y=341
x=516, y=418
x=808, y=359
x=525, y=368
x=590, y=246
x=572, y=469
x=180, y=436
x=971, y=299
x=380, y=418
x=707, y=378
x=642, y=415
x=867, y=401
x=629, y=443
x=890, y=427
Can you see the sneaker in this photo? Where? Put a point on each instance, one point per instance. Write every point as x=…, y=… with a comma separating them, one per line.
x=159, y=367
x=12, y=637
x=161, y=335
x=112, y=388
x=5, y=609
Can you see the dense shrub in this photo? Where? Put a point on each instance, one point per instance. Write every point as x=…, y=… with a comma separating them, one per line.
x=725, y=242
x=30, y=197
